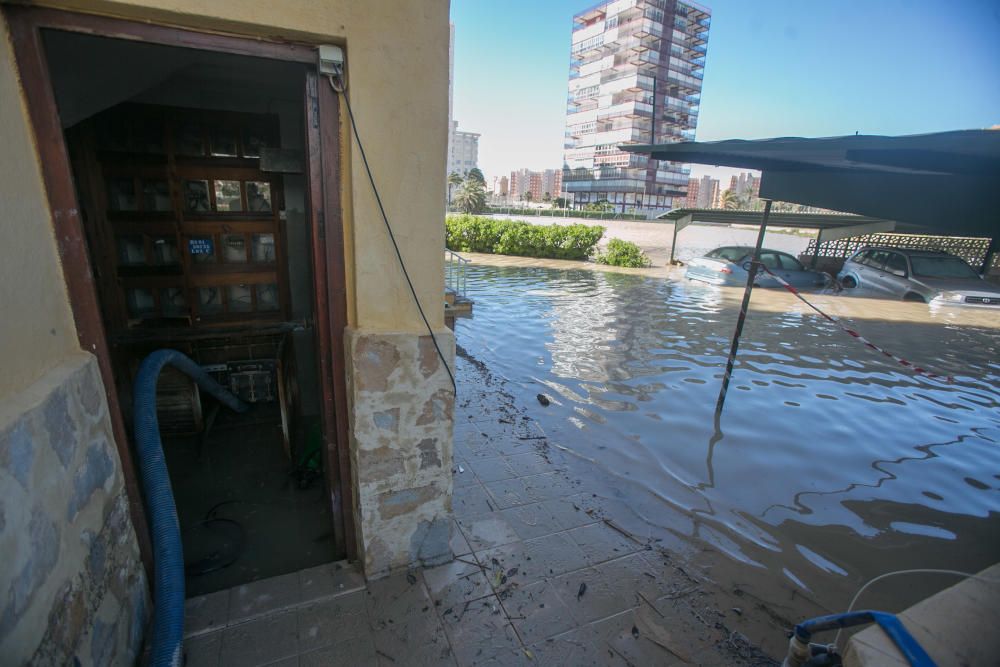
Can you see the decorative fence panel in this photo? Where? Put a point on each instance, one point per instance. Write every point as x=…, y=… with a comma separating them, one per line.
x=972, y=250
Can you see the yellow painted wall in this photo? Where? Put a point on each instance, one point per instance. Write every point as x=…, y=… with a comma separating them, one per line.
x=36, y=325
x=397, y=55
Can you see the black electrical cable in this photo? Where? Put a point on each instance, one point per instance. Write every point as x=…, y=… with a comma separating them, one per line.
x=342, y=89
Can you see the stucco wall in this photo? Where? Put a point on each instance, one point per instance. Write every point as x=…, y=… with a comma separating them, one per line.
x=36, y=329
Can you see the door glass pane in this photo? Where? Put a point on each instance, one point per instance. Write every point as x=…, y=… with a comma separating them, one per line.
x=896, y=264
x=263, y=247
x=224, y=141
x=209, y=300
x=156, y=196
x=201, y=249
x=258, y=196
x=227, y=196
x=196, y=196
x=234, y=248
x=877, y=259
x=191, y=139
x=240, y=300
x=253, y=141
x=131, y=251
x=789, y=263
x=267, y=296
x=121, y=195
x=165, y=250
x=172, y=302
x=140, y=302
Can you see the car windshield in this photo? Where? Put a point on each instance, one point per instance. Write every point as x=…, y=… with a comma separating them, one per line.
x=941, y=267
x=730, y=254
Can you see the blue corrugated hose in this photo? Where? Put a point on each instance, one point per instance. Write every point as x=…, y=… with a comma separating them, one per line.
x=168, y=557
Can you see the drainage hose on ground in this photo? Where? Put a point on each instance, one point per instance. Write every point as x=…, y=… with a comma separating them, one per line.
x=168, y=558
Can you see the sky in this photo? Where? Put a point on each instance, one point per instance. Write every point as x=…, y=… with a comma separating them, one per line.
x=774, y=68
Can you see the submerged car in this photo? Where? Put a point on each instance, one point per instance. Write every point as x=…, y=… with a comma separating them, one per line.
x=729, y=266
x=930, y=276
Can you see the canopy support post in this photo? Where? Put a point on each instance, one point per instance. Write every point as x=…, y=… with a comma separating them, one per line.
x=673, y=244
x=991, y=252
x=751, y=275
x=819, y=239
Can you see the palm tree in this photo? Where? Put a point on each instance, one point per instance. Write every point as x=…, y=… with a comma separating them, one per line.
x=731, y=200
x=528, y=196
x=454, y=180
x=472, y=197
x=476, y=174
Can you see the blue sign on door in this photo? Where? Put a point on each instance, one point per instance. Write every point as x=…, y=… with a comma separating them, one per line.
x=201, y=246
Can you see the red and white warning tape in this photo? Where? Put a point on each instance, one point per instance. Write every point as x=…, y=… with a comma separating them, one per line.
x=903, y=362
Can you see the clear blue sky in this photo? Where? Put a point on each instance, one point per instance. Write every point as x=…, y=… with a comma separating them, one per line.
x=774, y=68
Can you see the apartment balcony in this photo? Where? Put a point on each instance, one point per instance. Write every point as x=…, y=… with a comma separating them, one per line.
x=591, y=14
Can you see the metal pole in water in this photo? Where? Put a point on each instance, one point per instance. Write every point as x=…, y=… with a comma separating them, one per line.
x=751, y=274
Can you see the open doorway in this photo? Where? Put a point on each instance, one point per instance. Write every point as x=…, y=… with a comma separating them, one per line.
x=189, y=169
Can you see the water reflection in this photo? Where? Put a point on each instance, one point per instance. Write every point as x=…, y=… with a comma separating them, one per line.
x=818, y=431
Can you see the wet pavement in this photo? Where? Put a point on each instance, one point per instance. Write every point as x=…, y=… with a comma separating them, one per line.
x=542, y=575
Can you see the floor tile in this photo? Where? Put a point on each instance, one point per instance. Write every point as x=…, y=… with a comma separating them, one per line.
x=462, y=474
x=455, y=583
x=471, y=501
x=601, y=543
x=529, y=463
x=203, y=651
x=260, y=641
x=492, y=470
x=530, y=521
x=479, y=631
x=330, y=579
x=642, y=638
x=534, y=559
x=351, y=653
x=570, y=649
x=536, y=611
x=487, y=530
x=332, y=621
x=262, y=597
x=206, y=612
x=510, y=493
x=589, y=596
x=569, y=512
x=459, y=545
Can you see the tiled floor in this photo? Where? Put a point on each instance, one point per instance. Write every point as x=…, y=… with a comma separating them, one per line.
x=539, y=578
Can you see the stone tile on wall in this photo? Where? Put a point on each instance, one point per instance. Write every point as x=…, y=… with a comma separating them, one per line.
x=401, y=410
x=72, y=589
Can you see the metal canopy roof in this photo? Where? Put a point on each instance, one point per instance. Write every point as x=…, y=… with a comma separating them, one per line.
x=945, y=183
x=832, y=226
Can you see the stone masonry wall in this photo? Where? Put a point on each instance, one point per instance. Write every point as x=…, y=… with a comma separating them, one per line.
x=72, y=587
x=401, y=406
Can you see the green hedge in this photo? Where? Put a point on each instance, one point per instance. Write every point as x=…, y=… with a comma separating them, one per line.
x=623, y=253
x=472, y=233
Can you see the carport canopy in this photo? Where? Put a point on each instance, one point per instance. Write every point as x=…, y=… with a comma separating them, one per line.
x=830, y=226
x=945, y=183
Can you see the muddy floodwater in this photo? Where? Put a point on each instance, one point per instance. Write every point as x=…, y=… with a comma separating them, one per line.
x=830, y=464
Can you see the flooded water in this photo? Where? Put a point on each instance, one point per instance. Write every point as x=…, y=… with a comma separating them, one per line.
x=830, y=464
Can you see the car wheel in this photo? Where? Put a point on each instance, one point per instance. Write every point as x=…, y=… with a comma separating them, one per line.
x=914, y=297
x=849, y=282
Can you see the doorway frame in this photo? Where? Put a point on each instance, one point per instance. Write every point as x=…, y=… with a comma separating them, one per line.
x=324, y=214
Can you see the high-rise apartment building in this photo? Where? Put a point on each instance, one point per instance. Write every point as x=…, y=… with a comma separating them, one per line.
x=463, y=147
x=702, y=193
x=538, y=183
x=635, y=77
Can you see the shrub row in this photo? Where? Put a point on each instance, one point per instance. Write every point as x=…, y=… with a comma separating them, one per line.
x=471, y=233
x=623, y=253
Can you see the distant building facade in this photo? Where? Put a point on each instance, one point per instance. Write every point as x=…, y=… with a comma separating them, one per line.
x=463, y=147
x=538, y=183
x=702, y=193
x=635, y=78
